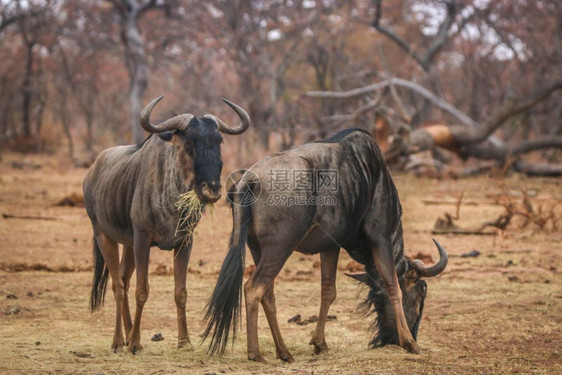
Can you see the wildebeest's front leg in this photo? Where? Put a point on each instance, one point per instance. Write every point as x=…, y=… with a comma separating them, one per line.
x=126, y=271
x=110, y=252
x=384, y=261
x=141, y=250
x=329, y=267
x=181, y=260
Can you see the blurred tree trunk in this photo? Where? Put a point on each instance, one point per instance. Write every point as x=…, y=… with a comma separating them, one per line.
x=137, y=66
x=130, y=12
x=41, y=105
x=63, y=101
x=30, y=27
x=27, y=91
x=85, y=96
x=89, y=131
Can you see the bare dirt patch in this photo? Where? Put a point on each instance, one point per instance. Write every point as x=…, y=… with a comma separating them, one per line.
x=499, y=312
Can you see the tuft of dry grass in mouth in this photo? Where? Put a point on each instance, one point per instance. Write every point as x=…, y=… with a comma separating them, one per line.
x=191, y=208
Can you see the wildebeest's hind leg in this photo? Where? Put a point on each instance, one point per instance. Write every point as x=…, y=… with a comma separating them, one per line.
x=329, y=267
x=127, y=269
x=384, y=261
x=141, y=250
x=271, y=261
x=110, y=252
x=181, y=260
x=268, y=304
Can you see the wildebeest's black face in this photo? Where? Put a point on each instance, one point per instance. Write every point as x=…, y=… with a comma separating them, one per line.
x=414, y=291
x=201, y=142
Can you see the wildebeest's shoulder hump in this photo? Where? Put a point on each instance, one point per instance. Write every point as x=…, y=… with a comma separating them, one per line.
x=339, y=136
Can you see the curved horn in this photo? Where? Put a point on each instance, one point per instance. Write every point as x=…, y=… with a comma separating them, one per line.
x=178, y=122
x=437, y=268
x=241, y=128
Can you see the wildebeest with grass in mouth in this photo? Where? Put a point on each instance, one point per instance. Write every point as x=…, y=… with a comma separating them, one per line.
x=152, y=194
x=364, y=219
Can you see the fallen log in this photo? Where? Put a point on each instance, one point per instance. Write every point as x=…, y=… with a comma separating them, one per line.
x=447, y=226
x=431, y=202
x=25, y=217
x=462, y=232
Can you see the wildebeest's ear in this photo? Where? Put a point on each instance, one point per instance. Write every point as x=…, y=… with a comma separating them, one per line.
x=363, y=277
x=166, y=136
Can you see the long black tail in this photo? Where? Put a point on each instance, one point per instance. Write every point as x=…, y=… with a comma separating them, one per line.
x=223, y=309
x=100, y=278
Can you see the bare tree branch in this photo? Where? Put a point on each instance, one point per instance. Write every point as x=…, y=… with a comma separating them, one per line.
x=406, y=117
x=359, y=111
x=460, y=116
x=441, y=38
x=471, y=132
x=399, y=41
x=508, y=110
x=6, y=21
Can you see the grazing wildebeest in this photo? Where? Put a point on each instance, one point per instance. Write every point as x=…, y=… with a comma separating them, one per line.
x=364, y=219
x=130, y=194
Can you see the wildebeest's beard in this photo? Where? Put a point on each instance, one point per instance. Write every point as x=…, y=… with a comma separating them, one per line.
x=202, y=141
x=377, y=301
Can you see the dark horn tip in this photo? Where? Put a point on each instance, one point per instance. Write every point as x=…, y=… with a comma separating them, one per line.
x=440, y=248
x=155, y=101
x=151, y=105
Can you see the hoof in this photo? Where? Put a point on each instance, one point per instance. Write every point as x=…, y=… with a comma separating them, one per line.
x=320, y=346
x=256, y=358
x=134, y=348
x=117, y=345
x=286, y=357
x=412, y=347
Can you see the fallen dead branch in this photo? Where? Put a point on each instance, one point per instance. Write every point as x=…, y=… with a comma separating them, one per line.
x=26, y=217
x=436, y=202
x=313, y=319
x=446, y=225
x=24, y=267
x=465, y=137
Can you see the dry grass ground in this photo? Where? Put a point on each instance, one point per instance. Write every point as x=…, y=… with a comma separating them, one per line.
x=498, y=313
